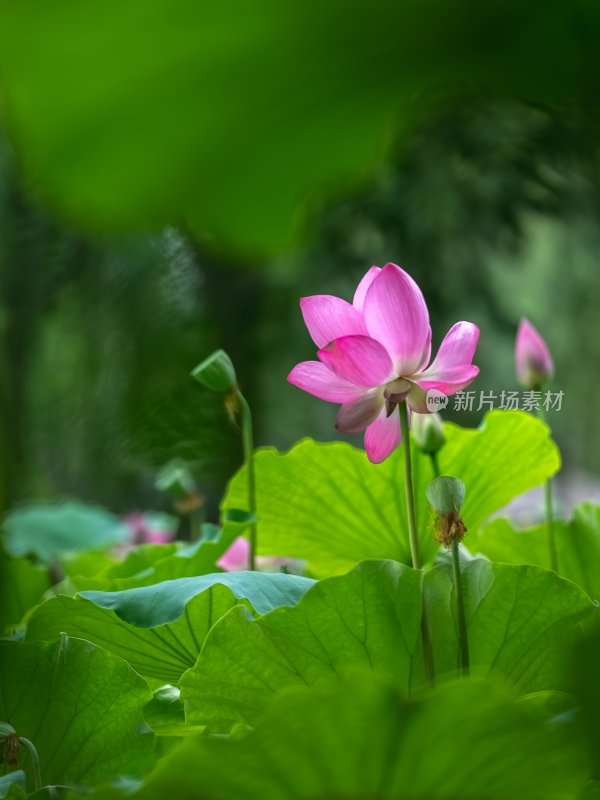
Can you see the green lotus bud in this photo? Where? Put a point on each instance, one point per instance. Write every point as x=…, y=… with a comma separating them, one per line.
x=446, y=494
x=176, y=479
x=216, y=372
x=428, y=432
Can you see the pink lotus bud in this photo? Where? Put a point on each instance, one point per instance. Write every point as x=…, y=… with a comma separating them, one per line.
x=533, y=360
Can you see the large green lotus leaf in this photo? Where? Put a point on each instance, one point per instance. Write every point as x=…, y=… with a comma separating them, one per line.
x=149, y=606
x=327, y=503
x=92, y=563
x=467, y=740
x=519, y=620
x=22, y=585
x=508, y=454
x=160, y=651
x=228, y=117
x=591, y=791
x=79, y=705
x=50, y=531
x=165, y=714
x=160, y=629
x=369, y=617
x=577, y=546
x=153, y=563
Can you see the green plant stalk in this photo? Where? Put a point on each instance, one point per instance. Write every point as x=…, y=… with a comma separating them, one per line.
x=550, y=525
x=35, y=763
x=435, y=464
x=408, y=487
x=549, y=513
x=248, y=445
x=463, y=641
x=414, y=536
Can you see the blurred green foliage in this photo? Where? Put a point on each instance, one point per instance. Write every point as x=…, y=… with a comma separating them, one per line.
x=48, y=532
x=229, y=117
x=465, y=740
x=228, y=126
x=493, y=209
x=97, y=339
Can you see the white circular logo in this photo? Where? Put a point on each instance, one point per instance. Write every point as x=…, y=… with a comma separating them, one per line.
x=436, y=400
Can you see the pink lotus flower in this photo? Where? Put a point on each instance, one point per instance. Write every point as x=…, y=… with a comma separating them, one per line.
x=374, y=354
x=532, y=357
x=237, y=556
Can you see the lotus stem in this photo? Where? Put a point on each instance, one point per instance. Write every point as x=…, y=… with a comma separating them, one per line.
x=550, y=525
x=408, y=487
x=35, y=763
x=414, y=537
x=463, y=641
x=552, y=552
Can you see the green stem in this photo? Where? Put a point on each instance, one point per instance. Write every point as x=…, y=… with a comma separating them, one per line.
x=414, y=537
x=550, y=526
x=35, y=763
x=549, y=513
x=408, y=488
x=248, y=444
x=463, y=641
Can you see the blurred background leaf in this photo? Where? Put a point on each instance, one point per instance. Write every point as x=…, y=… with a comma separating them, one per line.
x=312, y=745
x=49, y=532
x=120, y=110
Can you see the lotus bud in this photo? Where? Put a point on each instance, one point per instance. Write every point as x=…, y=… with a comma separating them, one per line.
x=176, y=479
x=428, y=432
x=216, y=373
x=447, y=495
x=532, y=357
